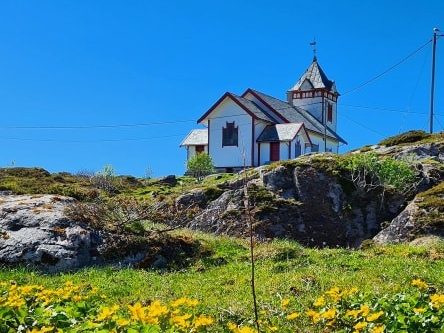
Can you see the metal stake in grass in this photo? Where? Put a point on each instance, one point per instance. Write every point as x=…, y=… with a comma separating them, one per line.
x=250, y=226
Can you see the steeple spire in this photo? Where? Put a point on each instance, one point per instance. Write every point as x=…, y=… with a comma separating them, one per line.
x=313, y=44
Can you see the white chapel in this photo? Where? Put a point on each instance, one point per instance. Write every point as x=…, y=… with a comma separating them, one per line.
x=259, y=129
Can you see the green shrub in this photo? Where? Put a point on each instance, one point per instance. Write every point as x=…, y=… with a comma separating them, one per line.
x=407, y=137
x=369, y=171
x=200, y=165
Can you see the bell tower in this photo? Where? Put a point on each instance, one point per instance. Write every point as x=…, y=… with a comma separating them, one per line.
x=315, y=93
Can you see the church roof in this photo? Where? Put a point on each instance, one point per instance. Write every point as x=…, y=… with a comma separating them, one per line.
x=196, y=137
x=254, y=108
x=293, y=114
x=316, y=77
x=280, y=132
x=250, y=107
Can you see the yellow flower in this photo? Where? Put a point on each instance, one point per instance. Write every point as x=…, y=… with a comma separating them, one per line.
x=245, y=329
x=365, y=310
x=232, y=326
x=360, y=326
x=419, y=310
x=378, y=329
x=156, y=309
x=352, y=291
x=374, y=316
x=107, y=312
x=122, y=322
x=293, y=315
x=203, y=321
x=137, y=311
x=334, y=293
x=329, y=314
x=419, y=283
x=314, y=316
x=181, y=321
x=319, y=302
x=273, y=329
x=437, y=300
x=352, y=313
x=285, y=302
x=184, y=301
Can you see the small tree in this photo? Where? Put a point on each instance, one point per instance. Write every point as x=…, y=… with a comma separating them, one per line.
x=200, y=165
x=105, y=179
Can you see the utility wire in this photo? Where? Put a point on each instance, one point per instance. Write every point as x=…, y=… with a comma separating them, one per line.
x=362, y=125
x=387, y=70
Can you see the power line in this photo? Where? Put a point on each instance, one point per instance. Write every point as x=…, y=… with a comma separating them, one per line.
x=362, y=125
x=378, y=108
x=387, y=70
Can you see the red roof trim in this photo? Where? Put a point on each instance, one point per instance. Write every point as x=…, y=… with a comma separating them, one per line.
x=220, y=100
x=249, y=90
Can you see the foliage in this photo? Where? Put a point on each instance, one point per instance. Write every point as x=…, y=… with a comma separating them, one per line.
x=369, y=171
x=76, y=308
x=285, y=270
x=200, y=165
x=352, y=311
x=106, y=179
x=407, y=137
x=81, y=308
x=125, y=214
x=40, y=181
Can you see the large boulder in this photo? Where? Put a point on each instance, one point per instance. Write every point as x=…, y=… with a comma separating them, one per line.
x=34, y=231
x=423, y=217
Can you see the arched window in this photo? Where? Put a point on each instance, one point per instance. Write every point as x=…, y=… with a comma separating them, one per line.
x=230, y=135
x=297, y=149
x=330, y=113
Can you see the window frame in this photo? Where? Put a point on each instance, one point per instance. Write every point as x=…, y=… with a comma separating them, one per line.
x=230, y=135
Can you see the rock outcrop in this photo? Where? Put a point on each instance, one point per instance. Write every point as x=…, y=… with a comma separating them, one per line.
x=34, y=231
x=423, y=217
x=312, y=201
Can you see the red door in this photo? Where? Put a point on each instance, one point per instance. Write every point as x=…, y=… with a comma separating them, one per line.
x=274, y=151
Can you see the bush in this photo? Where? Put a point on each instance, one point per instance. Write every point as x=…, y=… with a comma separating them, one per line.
x=105, y=179
x=407, y=137
x=200, y=165
x=368, y=171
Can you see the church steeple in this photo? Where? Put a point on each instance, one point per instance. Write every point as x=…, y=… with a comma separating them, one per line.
x=315, y=77
x=316, y=93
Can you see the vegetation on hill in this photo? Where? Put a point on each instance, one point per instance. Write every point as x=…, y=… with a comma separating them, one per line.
x=290, y=281
x=87, y=186
x=412, y=137
x=399, y=287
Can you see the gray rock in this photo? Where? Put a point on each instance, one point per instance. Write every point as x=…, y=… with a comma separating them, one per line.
x=35, y=232
x=194, y=197
x=170, y=180
x=406, y=227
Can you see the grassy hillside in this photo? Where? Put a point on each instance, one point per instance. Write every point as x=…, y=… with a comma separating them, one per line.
x=289, y=277
x=285, y=270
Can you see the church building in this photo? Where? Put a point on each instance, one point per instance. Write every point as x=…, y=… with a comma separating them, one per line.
x=258, y=129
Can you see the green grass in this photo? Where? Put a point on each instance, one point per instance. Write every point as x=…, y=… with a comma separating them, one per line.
x=40, y=181
x=284, y=269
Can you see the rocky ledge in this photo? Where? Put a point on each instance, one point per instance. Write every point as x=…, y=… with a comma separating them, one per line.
x=35, y=231
x=314, y=201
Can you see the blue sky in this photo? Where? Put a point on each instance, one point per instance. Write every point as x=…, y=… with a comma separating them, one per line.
x=83, y=63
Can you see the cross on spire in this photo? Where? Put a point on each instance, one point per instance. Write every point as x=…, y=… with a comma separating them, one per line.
x=313, y=44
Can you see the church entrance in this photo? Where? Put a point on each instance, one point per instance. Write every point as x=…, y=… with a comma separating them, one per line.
x=274, y=151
